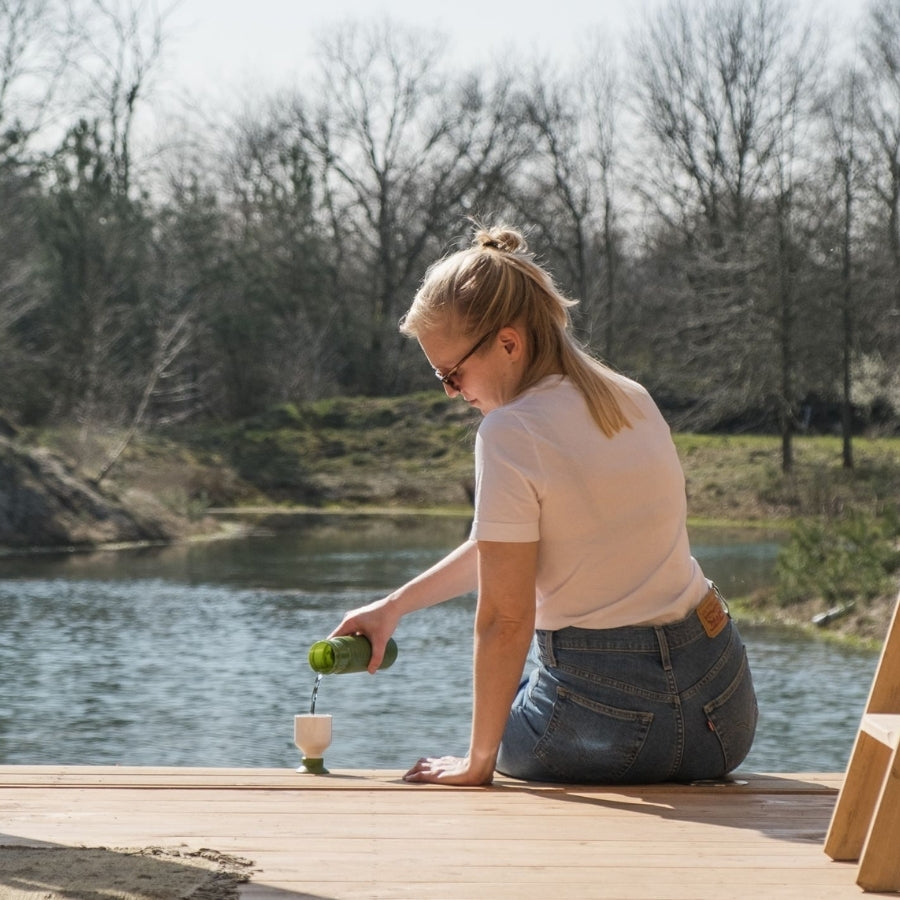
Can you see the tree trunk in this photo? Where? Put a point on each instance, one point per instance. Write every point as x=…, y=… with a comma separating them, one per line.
x=847, y=330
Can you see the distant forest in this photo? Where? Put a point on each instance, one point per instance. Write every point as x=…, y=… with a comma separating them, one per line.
x=721, y=193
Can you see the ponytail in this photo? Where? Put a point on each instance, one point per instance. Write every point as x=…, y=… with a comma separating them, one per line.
x=496, y=282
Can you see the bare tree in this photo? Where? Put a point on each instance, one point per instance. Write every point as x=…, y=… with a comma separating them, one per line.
x=842, y=111
x=701, y=79
x=125, y=38
x=872, y=285
x=37, y=43
x=881, y=51
x=603, y=101
x=22, y=287
x=721, y=87
x=405, y=150
x=792, y=100
x=37, y=39
x=554, y=190
x=281, y=262
x=564, y=187
x=104, y=318
x=169, y=345
x=703, y=76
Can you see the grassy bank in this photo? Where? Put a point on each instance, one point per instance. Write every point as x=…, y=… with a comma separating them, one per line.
x=739, y=477
x=415, y=453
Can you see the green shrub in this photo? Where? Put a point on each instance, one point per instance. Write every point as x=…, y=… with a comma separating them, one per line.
x=839, y=560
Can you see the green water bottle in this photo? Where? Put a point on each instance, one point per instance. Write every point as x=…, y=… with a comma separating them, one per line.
x=350, y=653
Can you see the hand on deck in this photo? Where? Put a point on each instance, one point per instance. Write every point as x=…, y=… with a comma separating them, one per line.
x=457, y=770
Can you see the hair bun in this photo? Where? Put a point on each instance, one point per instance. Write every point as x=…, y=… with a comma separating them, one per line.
x=506, y=239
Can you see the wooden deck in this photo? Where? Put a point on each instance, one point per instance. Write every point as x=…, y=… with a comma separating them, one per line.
x=368, y=835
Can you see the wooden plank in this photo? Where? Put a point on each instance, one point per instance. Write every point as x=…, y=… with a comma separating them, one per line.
x=596, y=889
x=461, y=871
x=883, y=727
x=884, y=694
x=879, y=862
x=288, y=779
x=154, y=777
x=719, y=810
x=856, y=802
x=866, y=819
x=358, y=858
x=182, y=823
x=370, y=835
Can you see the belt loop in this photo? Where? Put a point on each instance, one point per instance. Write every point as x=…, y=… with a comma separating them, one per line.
x=663, y=647
x=722, y=600
x=545, y=639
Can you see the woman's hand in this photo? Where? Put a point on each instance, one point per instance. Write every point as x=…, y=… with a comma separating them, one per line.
x=458, y=770
x=453, y=576
x=377, y=621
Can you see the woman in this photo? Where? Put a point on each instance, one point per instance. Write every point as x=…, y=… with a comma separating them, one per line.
x=578, y=542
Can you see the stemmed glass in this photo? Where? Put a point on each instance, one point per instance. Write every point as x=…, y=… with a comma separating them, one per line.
x=312, y=735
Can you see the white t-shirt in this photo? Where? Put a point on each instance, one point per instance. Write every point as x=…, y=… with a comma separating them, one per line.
x=609, y=513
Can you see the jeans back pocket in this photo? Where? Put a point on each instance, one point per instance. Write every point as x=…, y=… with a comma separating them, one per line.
x=590, y=741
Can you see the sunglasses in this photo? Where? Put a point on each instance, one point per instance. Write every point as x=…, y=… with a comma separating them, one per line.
x=448, y=378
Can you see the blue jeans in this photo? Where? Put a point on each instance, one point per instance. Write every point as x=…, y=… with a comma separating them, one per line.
x=639, y=704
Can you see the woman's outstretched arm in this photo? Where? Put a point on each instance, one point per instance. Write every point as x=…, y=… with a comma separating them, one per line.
x=456, y=574
x=504, y=627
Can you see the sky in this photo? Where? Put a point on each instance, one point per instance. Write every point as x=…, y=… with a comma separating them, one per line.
x=215, y=46
x=217, y=40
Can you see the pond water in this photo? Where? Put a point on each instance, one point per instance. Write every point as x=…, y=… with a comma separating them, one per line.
x=196, y=655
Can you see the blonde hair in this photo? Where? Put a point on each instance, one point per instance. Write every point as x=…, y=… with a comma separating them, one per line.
x=496, y=282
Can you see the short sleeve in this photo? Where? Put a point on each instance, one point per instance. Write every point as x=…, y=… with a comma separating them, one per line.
x=508, y=481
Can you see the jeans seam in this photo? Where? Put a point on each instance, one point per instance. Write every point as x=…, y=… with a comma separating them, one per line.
x=675, y=699
x=623, y=687
x=714, y=670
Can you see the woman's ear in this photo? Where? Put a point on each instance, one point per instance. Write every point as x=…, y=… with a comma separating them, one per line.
x=512, y=341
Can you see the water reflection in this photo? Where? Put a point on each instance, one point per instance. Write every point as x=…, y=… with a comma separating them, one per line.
x=195, y=655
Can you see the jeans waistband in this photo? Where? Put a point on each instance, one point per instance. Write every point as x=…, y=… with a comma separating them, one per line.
x=696, y=625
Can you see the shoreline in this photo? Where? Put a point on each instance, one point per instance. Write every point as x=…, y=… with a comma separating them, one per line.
x=841, y=632
x=224, y=534
x=859, y=628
